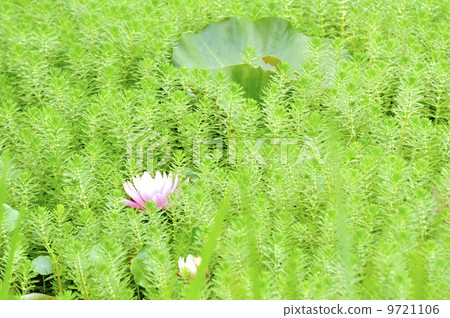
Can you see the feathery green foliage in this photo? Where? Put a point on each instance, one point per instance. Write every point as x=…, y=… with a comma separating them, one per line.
x=332, y=186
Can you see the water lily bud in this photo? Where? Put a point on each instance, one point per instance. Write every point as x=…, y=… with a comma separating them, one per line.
x=189, y=268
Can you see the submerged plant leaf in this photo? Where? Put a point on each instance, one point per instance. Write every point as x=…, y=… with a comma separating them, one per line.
x=252, y=79
x=10, y=217
x=219, y=47
x=42, y=265
x=37, y=296
x=139, y=266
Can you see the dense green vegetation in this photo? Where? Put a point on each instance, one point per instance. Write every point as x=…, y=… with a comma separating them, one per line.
x=329, y=187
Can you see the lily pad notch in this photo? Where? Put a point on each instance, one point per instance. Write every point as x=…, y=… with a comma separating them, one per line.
x=219, y=47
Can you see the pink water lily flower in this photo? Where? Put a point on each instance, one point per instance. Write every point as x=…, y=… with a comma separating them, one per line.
x=146, y=188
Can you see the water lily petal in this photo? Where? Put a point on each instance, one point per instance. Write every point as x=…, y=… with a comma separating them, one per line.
x=190, y=264
x=197, y=261
x=133, y=204
x=147, y=187
x=133, y=193
x=166, y=189
x=161, y=201
x=175, y=183
x=181, y=263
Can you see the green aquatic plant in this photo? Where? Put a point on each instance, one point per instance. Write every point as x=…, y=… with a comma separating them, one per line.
x=328, y=185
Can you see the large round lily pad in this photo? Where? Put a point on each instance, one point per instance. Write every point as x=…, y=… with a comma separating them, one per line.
x=220, y=45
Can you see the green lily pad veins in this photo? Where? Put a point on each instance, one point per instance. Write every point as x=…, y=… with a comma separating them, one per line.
x=218, y=47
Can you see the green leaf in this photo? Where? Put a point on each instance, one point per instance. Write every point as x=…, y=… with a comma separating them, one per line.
x=42, y=265
x=10, y=218
x=272, y=60
x=96, y=254
x=219, y=46
x=139, y=266
x=37, y=296
x=253, y=80
x=194, y=290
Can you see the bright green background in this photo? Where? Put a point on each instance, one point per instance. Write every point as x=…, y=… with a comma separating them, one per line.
x=328, y=188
